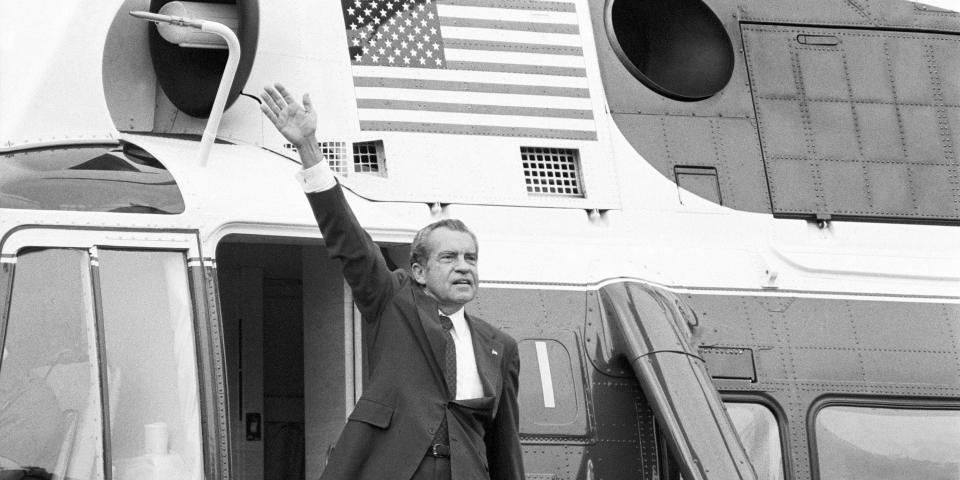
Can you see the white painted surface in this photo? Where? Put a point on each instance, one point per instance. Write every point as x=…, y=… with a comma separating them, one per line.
x=546, y=378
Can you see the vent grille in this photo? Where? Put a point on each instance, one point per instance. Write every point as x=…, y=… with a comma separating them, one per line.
x=334, y=152
x=336, y=155
x=552, y=171
x=368, y=157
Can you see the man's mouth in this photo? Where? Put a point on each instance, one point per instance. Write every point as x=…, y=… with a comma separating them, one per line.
x=463, y=281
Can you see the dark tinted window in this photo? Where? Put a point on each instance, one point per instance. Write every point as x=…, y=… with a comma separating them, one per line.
x=88, y=178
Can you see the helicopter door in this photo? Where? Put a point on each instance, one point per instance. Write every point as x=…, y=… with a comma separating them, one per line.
x=289, y=344
x=99, y=376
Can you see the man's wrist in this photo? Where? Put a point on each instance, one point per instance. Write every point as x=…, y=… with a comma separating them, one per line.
x=316, y=179
x=309, y=150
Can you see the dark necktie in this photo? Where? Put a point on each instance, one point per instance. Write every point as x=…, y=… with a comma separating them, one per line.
x=450, y=356
x=449, y=374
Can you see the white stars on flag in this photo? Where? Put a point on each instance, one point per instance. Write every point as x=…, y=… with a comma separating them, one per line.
x=375, y=29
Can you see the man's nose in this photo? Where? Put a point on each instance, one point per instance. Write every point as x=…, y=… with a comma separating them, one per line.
x=462, y=264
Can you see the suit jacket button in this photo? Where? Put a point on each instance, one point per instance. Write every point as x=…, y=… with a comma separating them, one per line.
x=431, y=431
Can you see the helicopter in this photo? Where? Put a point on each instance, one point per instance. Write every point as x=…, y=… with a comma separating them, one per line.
x=723, y=232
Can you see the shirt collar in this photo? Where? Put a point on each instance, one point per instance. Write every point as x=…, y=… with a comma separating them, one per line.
x=458, y=317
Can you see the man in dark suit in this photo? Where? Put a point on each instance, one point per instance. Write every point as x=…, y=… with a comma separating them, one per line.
x=441, y=401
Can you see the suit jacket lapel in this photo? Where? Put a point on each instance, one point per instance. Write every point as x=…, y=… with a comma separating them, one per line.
x=489, y=354
x=427, y=311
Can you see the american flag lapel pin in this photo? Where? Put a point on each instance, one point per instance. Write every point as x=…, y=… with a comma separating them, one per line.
x=494, y=352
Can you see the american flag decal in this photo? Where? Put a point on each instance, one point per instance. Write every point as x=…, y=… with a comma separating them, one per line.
x=473, y=67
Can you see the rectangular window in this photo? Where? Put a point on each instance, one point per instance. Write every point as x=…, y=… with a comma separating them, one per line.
x=151, y=365
x=69, y=376
x=760, y=436
x=50, y=410
x=857, y=442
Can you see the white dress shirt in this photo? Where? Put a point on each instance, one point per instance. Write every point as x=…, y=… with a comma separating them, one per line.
x=317, y=178
x=468, y=378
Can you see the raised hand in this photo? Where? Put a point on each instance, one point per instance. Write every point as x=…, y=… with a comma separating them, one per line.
x=298, y=124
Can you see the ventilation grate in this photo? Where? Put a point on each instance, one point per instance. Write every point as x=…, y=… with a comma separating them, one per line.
x=368, y=157
x=334, y=152
x=552, y=171
x=336, y=155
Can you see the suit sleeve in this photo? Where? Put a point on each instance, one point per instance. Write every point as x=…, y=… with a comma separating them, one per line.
x=504, y=454
x=364, y=268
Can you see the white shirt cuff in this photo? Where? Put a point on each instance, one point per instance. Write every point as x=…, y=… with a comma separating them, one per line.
x=317, y=178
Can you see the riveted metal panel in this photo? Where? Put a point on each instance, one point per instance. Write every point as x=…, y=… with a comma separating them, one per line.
x=621, y=440
x=212, y=371
x=701, y=181
x=727, y=144
x=626, y=445
x=733, y=363
x=556, y=445
x=808, y=348
x=857, y=123
x=551, y=397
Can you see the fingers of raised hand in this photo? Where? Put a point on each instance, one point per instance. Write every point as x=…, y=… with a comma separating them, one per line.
x=281, y=97
x=285, y=95
x=269, y=113
x=270, y=102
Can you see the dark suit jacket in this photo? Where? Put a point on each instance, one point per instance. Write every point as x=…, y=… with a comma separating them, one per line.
x=391, y=428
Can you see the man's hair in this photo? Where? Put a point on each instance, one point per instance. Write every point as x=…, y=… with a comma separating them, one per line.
x=419, y=250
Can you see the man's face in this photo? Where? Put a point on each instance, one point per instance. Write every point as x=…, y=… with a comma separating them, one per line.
x=450, y=273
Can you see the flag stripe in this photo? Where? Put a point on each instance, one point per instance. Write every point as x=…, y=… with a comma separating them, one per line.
x=479, y=76
x=423, y=127
x=544, y=5
x=512, y=68
x=505, y=25
x=470, y=87
x=374, y=103
x=474, y=98
x=454, y=118
x=455, y=55
x=487, y=34
x=496, y=14
x=509, y=46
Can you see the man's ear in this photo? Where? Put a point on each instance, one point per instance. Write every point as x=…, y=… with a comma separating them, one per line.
x=418, y=273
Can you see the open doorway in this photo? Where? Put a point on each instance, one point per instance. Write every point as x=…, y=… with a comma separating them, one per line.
x=288, y=328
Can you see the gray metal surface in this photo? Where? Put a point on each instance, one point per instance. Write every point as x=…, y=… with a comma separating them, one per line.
x=614, y=437
x=857, y=123
x=654, y=333
x=729, y=363
x=808, y=349
x=840, y=145
x=212, y=371
x=799, y=351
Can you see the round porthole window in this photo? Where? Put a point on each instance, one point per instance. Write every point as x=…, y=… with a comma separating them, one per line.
x=677, y=48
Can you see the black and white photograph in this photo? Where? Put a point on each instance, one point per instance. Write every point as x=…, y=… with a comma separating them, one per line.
x=480, y=240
